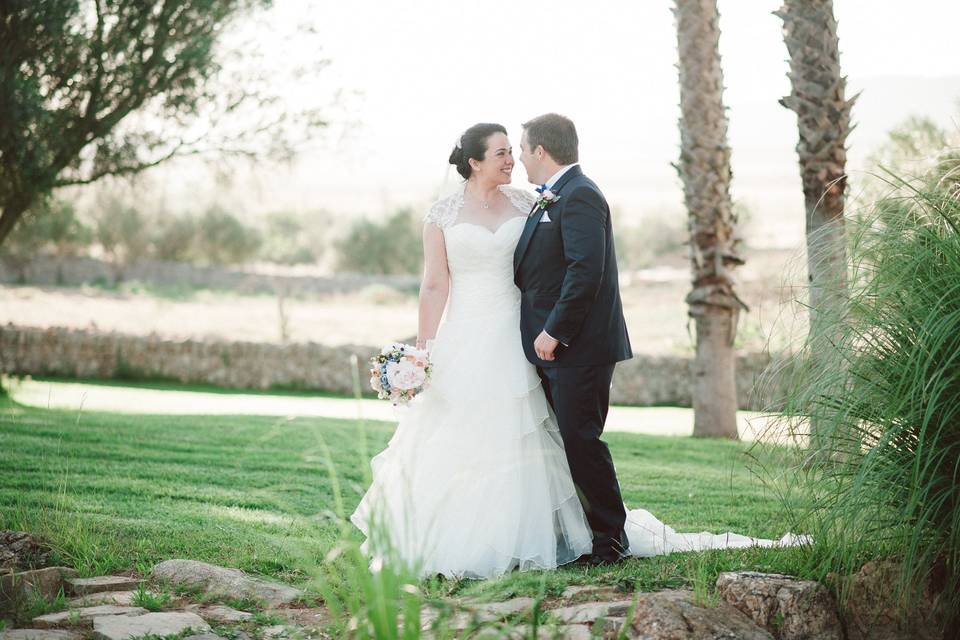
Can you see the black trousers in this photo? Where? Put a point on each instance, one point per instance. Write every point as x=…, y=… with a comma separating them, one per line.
x=580, y=396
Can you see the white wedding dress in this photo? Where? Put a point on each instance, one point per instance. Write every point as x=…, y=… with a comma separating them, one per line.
x=475, y=482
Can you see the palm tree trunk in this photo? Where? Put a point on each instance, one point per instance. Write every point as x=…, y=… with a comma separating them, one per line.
x=823, y=118
x=704, y=168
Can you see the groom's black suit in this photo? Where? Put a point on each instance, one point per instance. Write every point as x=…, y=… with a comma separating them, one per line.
x=566, y=270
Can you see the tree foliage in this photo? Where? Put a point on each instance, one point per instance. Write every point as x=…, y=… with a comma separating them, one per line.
x=52, y=226
x=389, y=247
x=91, y=88
x=223, y=239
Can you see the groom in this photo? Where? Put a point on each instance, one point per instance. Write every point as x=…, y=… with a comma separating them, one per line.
x=571, y=316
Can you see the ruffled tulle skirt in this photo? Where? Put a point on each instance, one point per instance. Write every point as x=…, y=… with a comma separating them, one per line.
x=475, y=481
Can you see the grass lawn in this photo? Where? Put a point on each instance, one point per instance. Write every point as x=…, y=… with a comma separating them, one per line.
x=119, y=492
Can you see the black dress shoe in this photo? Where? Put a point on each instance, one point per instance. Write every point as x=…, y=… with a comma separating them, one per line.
x=613, y=550
x=605, y=560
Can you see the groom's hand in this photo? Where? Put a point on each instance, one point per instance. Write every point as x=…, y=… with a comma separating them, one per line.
x=544, y=346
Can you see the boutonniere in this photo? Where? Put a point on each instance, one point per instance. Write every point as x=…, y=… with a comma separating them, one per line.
x=546, y=199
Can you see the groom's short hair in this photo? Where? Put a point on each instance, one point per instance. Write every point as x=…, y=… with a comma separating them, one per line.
x=556, y=134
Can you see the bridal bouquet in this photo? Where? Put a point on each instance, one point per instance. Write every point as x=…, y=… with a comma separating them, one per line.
x=399, y=372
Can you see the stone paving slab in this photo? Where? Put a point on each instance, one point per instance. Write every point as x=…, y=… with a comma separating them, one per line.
x=85, y=586
x=39, y=634
x=222, y=581
x=591, y=611
x=490, y=611
x=156, y=624
x=122, y=598
x=223, y=613
x=85, y=615
x=588, y=592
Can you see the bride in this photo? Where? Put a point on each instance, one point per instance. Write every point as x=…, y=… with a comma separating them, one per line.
x=475, y=481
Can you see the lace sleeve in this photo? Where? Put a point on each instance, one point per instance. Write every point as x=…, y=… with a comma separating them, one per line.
x=519, y=198
x=443, y=212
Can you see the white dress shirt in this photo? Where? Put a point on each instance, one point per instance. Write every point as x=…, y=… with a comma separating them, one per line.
x=555, y=177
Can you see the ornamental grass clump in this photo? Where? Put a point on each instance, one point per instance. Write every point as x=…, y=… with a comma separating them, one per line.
x=874, y=397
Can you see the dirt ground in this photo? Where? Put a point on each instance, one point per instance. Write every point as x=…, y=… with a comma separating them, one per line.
x=653, y=300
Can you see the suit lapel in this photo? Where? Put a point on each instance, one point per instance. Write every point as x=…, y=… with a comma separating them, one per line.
x=525, y=236
x=534, y=220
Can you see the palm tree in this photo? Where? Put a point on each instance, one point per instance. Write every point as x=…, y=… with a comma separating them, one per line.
x=704, y=168
x=823, y=117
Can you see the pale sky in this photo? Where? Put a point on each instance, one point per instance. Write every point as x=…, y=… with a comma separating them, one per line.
x=425, y=71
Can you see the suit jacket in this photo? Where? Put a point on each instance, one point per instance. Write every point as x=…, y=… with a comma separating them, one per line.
x=566, y=270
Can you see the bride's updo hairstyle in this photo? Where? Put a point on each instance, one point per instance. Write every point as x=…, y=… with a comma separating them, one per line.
x=473, y=145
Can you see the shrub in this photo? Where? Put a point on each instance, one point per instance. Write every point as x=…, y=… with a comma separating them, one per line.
x=174, y=238
x=885, y=396
x=223, y=239
x=295, y=239
x=640, y=246
x=389, y=247
x=120, y=230
x=52, y=226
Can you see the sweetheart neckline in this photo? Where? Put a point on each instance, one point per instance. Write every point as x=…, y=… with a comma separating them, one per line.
x=486, y=228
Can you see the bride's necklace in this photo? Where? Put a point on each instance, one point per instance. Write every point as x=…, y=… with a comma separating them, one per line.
x=484, y=204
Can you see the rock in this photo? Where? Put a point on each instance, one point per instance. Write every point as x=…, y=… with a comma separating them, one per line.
x=19, y=551
x=122, y=598
x=591, y=611
x=204, y=636
x=569, y=632
x=872, y=610
x=471, y=612
x=610, y=626
x=155, y=624
x=39, y=634
x=672, y=615
x=308, y=617
x=85, y=615
x=584, y=592
x=562, y=632
x=274, y=631
x=491, y=611
x=222, y=613
x=220, y=581
x=85, y=586
x=23, y=586
x=788, y=608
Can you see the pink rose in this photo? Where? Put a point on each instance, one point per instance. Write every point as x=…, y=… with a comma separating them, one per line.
x=405, y=375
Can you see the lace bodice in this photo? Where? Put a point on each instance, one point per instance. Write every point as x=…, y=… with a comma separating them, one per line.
x=480, y=261
x=446, y=211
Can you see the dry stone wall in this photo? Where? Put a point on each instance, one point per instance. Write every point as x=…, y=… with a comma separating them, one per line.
x=81, y=353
